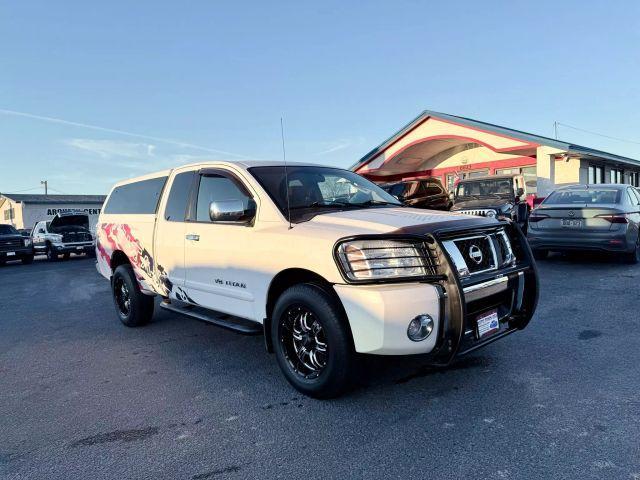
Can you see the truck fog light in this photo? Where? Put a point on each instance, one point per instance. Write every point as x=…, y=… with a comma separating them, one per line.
x=420, y=328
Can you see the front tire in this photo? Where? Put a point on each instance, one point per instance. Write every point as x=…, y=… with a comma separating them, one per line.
x=52, y=256
x=312, y=341
x=27, y=260
x=133, y=307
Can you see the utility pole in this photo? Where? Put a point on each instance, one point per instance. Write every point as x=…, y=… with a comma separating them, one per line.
x=555, y=128
x=44, y=182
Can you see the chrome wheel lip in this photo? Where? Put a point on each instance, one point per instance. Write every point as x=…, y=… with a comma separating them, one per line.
x=303, y=342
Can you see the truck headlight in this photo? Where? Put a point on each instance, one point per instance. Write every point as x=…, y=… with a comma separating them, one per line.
x=27, y=242
x=56, y=238
x=382, y=259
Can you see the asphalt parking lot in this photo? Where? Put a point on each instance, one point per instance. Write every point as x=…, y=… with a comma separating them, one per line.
x=82, y=396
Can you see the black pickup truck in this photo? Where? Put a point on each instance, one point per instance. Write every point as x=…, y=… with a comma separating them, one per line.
x=14, y=246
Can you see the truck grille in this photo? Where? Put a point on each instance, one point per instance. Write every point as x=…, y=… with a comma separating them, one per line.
x=480, y=252
x=479, y=212
x=70, y=237
x=11, y=244
x=477, y=252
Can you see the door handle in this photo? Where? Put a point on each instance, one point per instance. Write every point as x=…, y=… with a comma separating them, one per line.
x=193, y=237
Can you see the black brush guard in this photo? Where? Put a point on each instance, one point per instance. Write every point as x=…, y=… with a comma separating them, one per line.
x=461, y=299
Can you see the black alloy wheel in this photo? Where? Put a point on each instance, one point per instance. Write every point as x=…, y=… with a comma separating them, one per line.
x=134, y=308
x=122, y=297
x=303, y=342
x=312, y=341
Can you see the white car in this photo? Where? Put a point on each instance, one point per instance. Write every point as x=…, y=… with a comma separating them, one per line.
x=320, y=260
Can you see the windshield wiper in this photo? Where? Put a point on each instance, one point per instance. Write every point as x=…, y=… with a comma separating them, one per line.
x=323, y=204
x=369, y=203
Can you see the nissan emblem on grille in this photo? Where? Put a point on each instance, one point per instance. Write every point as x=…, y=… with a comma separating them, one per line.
x=475, y=254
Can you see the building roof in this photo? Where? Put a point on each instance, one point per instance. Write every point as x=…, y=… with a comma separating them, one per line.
x=53, y=199
x=505, y=131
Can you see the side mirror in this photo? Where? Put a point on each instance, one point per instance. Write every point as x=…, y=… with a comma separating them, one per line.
x=231, y=211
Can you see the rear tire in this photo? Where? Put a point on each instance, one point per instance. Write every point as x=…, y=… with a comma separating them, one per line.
x=633, y=258
x=312, y=341
x=66, y=256
x=133, y=307
x=27, y=260
x=540, y=254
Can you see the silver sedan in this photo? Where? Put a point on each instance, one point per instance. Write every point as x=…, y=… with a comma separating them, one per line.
x=601, y=217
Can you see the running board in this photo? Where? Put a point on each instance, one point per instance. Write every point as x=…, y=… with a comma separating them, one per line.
x=239, y=325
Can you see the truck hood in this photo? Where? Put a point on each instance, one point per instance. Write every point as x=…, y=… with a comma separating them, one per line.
x=10, y=236
x=395, y=220
x=487, y=202
x=68, y=223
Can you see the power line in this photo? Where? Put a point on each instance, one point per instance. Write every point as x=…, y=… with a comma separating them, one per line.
x=26, y=189
x=595, y=133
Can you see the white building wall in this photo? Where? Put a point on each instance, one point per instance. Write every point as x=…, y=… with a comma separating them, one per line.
x=32, y=213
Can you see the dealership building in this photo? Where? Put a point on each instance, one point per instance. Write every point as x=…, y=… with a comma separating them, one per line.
x=24, y=210
x=448, y=147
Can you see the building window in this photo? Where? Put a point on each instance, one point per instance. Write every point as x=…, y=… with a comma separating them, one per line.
x=450, y=181
x=530, y=179
x=634, y=179
x=596, y=174
x=507, y=171
x=476, y=173
x=615, y=176
x=8, y=214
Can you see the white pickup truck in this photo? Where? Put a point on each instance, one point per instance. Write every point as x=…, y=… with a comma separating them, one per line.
x=321, y=261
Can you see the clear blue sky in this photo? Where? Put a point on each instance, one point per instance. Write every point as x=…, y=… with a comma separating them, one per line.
x=345, y=75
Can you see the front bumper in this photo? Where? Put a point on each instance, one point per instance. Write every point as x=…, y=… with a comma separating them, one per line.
x=80, y=247
x=563, y=241
x=16, y=254
x=380, y=314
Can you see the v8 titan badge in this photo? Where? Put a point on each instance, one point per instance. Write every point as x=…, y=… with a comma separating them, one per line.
x=488, y=323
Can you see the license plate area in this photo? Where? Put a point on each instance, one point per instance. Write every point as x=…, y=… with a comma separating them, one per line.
x=487, y=324
x=11, y=254
x=571, y=223
x=78, y=248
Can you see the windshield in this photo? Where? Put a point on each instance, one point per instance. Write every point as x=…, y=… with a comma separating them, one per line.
x=397, y=190
x=315, y=190
x=485, y=187
x=585, y=196
x=7, y=230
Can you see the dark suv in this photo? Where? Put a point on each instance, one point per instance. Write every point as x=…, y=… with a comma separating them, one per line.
x=420, y=193
x=500, y=196
x=14, y=246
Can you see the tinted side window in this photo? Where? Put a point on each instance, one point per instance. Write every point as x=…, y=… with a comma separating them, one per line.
x=215, y=188
x=136, y=198
x=179, y=197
